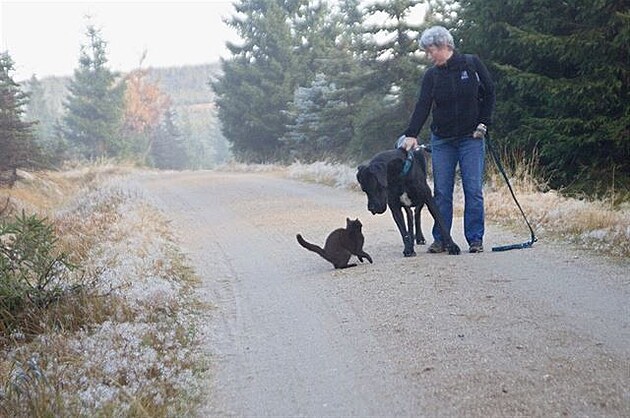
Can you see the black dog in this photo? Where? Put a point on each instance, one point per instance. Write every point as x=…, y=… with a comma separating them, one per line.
x=387, y=181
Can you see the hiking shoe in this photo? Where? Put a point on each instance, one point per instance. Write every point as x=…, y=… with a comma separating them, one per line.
x=436, y=247
x=476, y=247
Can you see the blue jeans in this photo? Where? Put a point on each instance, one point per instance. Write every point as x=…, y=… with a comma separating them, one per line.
x=469, y=152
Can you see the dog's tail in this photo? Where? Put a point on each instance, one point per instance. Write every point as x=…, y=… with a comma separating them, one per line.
x=311, y=247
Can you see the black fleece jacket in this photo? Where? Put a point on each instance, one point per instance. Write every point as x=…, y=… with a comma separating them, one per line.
x=459, y=100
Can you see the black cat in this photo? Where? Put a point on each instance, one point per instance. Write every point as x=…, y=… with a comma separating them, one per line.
x=340, y=245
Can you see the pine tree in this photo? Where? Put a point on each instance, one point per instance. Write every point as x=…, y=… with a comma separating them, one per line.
x=562, y=82
x=393, y=70
x=17, y=142
x=168, y=150
x=258, y=81
x=315, y=33
x=313, y=134
x=321, y=117
x=94, y=106
x=40, y=109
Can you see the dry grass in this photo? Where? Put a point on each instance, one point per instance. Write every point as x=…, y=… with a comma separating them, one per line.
x=335, y=175
x=595, y=225
x=126, y=345
x=236, y=167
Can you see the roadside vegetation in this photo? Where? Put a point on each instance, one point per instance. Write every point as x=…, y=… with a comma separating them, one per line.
x=98, y=314
x=97, y=311
x=599, y=225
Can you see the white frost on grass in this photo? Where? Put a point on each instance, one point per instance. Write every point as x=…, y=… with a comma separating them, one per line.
x=129, y=359
x=589, y=223
x=147, y=352
x=337, y=175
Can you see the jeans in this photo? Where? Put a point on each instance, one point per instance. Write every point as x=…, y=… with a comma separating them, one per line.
x=469, y=152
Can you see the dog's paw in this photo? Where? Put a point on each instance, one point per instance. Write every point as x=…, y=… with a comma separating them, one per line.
x=421, y=241
x=409, y=252
x=453, y=249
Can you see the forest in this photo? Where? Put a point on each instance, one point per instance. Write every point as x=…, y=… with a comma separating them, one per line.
x=156, y=117
x=337, y=81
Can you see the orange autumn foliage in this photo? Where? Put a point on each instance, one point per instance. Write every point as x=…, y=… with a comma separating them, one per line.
x=145, y=103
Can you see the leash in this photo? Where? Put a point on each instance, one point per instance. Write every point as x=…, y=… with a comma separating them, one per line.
x=407, y=164
x=409, y=160
x=533, y=239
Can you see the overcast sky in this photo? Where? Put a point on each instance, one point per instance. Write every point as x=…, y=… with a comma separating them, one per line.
x=44, y=37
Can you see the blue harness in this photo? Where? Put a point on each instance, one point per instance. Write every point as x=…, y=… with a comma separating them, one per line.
x=407, y=164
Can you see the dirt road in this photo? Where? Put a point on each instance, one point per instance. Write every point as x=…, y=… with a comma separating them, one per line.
x=537, y=332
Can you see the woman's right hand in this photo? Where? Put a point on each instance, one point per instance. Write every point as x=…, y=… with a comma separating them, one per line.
x=410, y=143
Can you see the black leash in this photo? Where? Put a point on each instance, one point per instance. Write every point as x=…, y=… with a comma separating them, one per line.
x=533, y=239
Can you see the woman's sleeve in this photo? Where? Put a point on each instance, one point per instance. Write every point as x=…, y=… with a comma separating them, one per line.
x=423, y=105
x=487, y=100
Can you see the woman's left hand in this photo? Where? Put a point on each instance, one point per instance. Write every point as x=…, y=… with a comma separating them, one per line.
x=480, y=131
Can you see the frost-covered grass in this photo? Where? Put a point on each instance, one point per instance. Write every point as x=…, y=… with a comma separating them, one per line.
x=127, y=345
x=332, y=174
x=237, y=167
x=594, y=225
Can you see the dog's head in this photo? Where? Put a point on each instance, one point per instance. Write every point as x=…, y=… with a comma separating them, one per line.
x=373, y=181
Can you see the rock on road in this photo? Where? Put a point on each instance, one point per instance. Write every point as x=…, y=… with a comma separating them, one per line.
x=536, y=332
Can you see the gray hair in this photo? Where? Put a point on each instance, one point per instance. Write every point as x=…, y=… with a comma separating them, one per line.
x=436, y=36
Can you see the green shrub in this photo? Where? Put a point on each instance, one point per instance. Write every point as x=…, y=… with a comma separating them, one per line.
x=33, y=273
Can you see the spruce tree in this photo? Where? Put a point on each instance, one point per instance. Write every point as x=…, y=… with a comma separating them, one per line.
x=258, y=81
x=40, y=109
x=314, y=133
x=94, y=106
x=17, y=142
x=393, y=69
x=168, y=150
x=321, y=115
x=561, y=70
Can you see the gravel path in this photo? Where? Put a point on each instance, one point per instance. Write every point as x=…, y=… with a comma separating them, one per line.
x=537, y=332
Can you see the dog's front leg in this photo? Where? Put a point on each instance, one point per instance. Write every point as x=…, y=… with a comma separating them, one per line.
x=418, y=224
x=410, y=222
x=407, y=235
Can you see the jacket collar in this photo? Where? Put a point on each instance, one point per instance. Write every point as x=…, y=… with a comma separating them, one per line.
x=453, y=61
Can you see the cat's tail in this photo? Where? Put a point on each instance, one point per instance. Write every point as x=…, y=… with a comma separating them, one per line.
x=311, y=247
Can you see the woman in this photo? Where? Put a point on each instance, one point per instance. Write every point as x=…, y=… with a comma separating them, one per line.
x=459, y=93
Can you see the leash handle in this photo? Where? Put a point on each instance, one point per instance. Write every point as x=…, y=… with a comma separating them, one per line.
x=512, y=247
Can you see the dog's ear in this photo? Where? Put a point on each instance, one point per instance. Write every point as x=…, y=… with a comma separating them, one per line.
x=360, y=171
x=380, y=172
